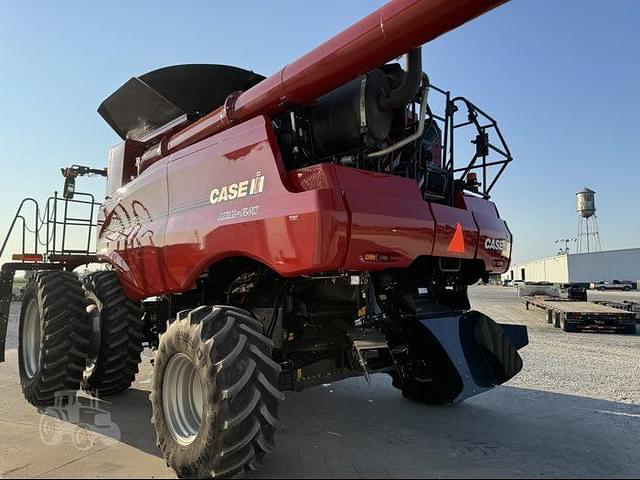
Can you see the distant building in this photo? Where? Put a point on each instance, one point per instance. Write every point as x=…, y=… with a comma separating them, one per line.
x=580, y=267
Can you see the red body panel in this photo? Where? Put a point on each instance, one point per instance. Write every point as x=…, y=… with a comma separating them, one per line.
x=162, y=230
x=388, y=217
x=490, y=227
x=132, y=228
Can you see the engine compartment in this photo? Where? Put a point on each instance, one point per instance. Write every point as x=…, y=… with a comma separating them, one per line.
x=379, y=122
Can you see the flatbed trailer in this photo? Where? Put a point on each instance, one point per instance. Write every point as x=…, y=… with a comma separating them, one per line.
x=629, y=306
x=573, y=316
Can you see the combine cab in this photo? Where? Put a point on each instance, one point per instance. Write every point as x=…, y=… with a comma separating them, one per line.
x=263, y=235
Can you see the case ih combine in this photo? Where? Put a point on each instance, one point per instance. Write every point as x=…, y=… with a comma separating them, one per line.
x=270, y=234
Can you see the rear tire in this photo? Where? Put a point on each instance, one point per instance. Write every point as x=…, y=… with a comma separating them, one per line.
x=115, y=364
x=630, y=329
x=215, y=397
x=53, y=336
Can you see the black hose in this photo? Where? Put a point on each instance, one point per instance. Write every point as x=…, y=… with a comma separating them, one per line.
x=407, y=90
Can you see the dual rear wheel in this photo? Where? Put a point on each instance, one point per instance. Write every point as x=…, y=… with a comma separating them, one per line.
x=53, y=336
x=75, y=334
x=117, y=335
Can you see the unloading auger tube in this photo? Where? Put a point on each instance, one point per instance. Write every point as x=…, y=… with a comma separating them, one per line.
x=395, y=29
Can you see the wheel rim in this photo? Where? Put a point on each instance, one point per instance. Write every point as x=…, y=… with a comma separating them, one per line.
x=31, y=339
x=182, y=400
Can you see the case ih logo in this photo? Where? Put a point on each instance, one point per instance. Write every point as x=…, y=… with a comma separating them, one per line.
x=494, y=244
x=242, y=189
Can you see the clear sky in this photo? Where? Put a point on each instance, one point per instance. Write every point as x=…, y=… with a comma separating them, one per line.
x=561, y=77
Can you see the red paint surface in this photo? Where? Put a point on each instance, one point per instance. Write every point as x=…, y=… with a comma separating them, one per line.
x=160, y=231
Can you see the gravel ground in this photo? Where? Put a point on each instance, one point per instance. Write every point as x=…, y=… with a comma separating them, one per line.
x=572, y=412
x=596, y=365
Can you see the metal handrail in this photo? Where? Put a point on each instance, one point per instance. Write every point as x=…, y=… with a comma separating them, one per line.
x=473, y=111
x=51, y=223
x=15, y=219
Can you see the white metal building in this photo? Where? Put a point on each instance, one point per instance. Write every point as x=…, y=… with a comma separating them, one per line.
x=580, y=267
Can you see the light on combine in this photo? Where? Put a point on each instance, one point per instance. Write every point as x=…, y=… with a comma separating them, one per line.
x=376, y=257
x=27, y=257
x=472, y=182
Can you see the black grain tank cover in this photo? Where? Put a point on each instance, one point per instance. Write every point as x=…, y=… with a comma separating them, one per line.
x=147, y=102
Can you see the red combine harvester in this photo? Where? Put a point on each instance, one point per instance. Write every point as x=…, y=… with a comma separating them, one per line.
x=271, y=234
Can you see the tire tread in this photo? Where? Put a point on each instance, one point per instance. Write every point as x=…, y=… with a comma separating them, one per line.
x=122, y=334
x=64, y=336
x=243, y=391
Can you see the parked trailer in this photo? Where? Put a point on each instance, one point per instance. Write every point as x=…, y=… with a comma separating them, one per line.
x=633, y=307
x=572, y=316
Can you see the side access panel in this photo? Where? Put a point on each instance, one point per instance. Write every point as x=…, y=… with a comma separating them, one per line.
x=494, y=236
x=388, y=217
x=456, y=232
x=229, y=196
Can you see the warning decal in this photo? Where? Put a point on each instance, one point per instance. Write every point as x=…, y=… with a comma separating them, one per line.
x=457, y=242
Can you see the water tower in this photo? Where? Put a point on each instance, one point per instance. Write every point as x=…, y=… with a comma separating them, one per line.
x=588, y=236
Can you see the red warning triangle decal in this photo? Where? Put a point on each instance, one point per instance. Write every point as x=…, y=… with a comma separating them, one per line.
x=457, y=242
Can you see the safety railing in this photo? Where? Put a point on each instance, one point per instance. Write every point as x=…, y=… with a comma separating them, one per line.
x=492, y=154
x=51, y=228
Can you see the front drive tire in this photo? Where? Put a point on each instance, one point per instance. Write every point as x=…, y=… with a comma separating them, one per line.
x=115, y=364
x=215, y=397
x=53, y=336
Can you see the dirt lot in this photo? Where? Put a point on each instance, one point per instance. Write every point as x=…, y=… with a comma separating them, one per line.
x=573, y=411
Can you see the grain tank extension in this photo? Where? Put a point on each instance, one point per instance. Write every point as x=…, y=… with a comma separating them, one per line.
x=263, y=235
